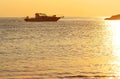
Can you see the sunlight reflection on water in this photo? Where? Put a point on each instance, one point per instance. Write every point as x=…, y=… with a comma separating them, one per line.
x=67, y=49
x=115, y=30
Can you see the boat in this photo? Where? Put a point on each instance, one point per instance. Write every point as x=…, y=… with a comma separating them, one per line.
x=41, y=17
x=114, y=17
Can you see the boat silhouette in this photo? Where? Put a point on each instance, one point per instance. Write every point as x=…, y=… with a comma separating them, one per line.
x=41, y=17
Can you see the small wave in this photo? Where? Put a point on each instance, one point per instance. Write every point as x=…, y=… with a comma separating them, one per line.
x=25, y=78
x=94, y=76
x=16, y=71
x=2, y=53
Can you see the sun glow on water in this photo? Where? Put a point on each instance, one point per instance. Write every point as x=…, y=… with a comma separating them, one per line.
x=115, y=30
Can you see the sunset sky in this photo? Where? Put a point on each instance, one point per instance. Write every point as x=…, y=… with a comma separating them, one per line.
x=21, y=8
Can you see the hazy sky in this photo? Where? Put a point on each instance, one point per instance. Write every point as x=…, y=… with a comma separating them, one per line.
x=23, y=8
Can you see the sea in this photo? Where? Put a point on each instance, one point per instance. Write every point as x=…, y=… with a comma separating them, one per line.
x=71, y=48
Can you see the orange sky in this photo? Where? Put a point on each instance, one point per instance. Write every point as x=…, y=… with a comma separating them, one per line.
x=21, y=8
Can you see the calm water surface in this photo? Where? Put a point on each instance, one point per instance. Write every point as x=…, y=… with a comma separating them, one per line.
x=72, y=48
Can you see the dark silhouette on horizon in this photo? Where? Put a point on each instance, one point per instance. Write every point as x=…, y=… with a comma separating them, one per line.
x=114, y=17
x=41, y=17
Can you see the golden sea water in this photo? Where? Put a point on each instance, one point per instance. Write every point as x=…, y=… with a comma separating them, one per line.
x=72, y=48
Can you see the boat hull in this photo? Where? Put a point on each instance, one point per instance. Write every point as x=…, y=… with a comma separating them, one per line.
x=44, y=19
